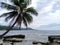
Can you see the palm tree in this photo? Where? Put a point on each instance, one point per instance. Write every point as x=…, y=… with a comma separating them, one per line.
x=19, y=13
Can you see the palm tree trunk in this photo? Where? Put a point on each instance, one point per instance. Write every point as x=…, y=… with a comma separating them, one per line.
x=8, y=29
x=20, y=26
x=13, y=25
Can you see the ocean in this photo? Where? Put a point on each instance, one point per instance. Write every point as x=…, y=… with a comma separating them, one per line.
x=35, y=35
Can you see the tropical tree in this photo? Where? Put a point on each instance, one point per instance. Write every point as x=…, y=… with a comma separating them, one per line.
x=19, y=13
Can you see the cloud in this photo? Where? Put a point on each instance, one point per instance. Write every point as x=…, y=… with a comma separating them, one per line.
x=56, y=6
x=46, y=15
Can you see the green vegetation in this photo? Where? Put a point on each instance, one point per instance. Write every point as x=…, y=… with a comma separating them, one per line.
x=15, y=28
x=3, y=27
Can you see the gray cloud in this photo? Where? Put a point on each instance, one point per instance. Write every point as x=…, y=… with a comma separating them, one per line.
x=56, y=6
x=42, y=3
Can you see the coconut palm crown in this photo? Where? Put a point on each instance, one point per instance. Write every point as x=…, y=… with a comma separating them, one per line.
x=19, y=12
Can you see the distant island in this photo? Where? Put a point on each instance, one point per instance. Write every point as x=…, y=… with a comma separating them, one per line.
x=15, y=28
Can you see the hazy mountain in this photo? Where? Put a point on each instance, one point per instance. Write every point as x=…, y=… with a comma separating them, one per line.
x=50, y=27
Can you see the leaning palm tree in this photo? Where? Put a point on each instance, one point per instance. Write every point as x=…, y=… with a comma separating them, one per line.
x=19, y=13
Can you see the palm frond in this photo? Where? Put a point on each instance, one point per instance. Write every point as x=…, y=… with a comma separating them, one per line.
x=5, y=14
x=28, y=2
x=8, y=13
x=24, y=5
x=32, y=11
x=8, y=6
x=24, y=1
x=28, y=17
x=12, y=21
x=11, y=15
x=15, y=2
x=21, y=1
x=25, y=22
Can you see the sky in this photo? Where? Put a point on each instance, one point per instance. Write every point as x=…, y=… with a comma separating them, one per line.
x=48, y=15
